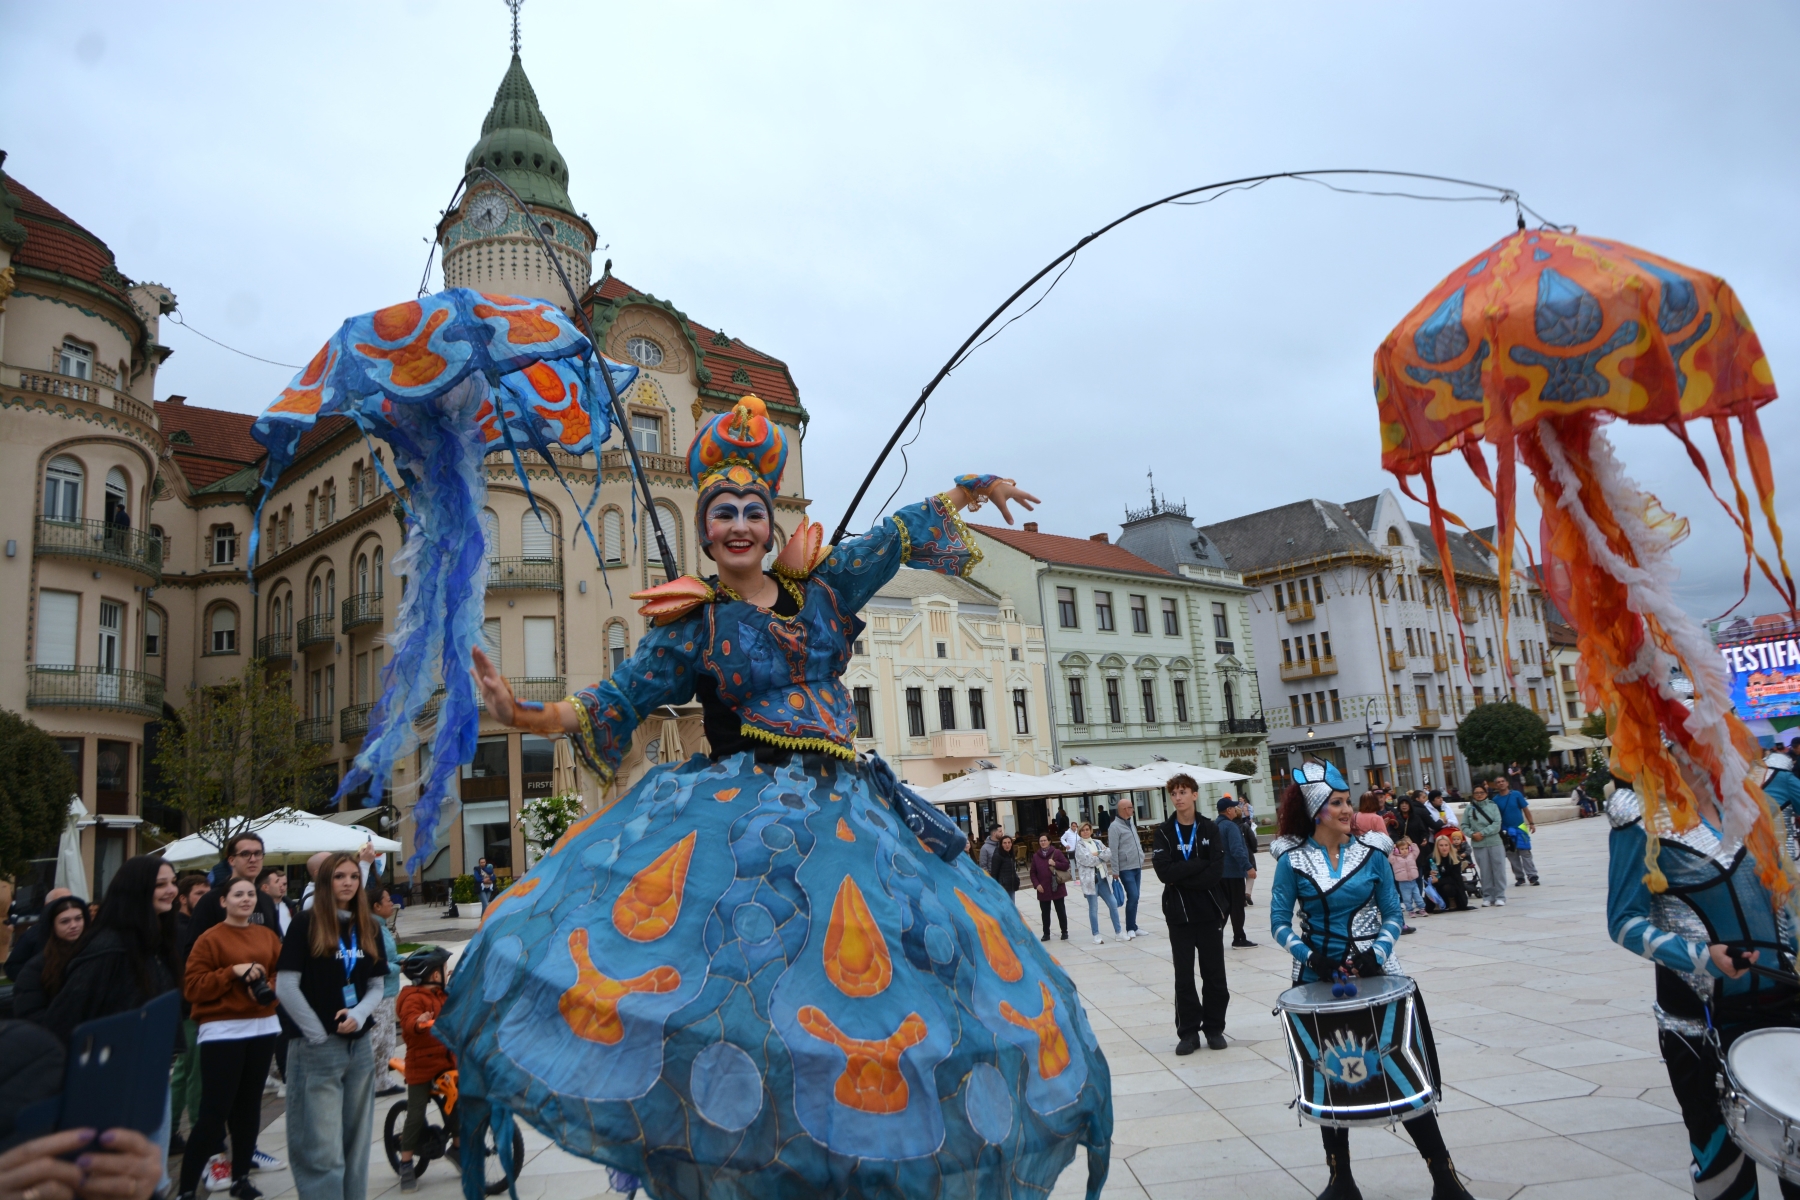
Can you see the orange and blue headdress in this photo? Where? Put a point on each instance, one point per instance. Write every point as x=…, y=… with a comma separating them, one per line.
x=737, y=451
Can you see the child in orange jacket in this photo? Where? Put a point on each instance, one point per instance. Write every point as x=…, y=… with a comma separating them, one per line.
x=426, y=1057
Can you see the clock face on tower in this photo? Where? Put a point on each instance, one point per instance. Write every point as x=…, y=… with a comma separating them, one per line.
x=487, y=212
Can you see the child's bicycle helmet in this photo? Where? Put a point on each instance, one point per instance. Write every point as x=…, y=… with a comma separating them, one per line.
x=421, y=963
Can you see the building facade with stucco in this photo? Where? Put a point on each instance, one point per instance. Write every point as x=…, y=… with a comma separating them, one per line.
x=121, y=616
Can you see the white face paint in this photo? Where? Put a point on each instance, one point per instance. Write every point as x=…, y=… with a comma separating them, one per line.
x=738, y=528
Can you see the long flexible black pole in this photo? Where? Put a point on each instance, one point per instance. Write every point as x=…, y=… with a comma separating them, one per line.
x=1502, y=195
x=670, y=568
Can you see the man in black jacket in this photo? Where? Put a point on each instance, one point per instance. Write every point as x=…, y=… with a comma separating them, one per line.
x=244, y=854
x=1188, y=857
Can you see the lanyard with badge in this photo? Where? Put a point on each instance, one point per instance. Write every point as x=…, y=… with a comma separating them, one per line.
x=348, y=956
x=1186, y=845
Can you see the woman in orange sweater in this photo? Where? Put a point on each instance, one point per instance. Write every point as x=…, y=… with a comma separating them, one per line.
x=228, y=984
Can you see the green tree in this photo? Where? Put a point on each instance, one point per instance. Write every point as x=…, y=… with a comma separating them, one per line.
x=1503, y=732
x=36, y=782
x=1594, y=725
x=233, y=755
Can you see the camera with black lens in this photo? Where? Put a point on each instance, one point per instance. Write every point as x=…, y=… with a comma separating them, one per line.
x=257, y=984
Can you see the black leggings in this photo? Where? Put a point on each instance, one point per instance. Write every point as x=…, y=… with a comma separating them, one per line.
x=1062, y=914
x=1423, y=1131
x=231, y=1088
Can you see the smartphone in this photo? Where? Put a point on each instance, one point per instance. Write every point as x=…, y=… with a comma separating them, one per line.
x=117, y=1072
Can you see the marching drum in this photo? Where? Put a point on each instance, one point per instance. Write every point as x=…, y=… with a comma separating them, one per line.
x=1358, y=1060
x=1761, y=1098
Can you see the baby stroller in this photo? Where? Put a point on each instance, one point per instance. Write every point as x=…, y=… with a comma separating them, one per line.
x=1470, y=872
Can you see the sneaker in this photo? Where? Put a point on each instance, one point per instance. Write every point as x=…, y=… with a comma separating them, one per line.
x=1098, y=940
x=1130, y=933
x=1534, y=882
x=260, y=1161
x=243, y=1189
x=1065, y=936
x=1500, y=903
x=1243, y=944
x=1407, y=929
x=409, y=1182
x=217, y=1174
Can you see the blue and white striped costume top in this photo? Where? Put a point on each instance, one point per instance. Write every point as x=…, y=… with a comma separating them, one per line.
x=1355, y=907
x=1713, y=896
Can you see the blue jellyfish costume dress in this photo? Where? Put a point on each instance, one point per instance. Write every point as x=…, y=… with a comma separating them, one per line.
x=775, y=971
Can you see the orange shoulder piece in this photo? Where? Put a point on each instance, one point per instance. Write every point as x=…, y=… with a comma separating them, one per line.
x=804, y=551
x=672, y=600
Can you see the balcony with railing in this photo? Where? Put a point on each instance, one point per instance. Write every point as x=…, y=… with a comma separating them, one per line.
x=1302, y=611
x=1477, y=665
x=275, y=648
x=540, y=574
x=97, y=688
x=353, y=721
x=97, y=541
x=1440, y=662
x=1307, y=668
x=364, y=608
x=1570, y=687
x=313, y=631
x=87, y=391
x=1396, y=660
x=1469, y=615
x=1244, y=725
x=1516, y=665
x=314, y=729
x=1428, y=718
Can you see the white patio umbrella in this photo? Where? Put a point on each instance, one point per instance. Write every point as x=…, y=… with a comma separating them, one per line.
x=70, y=872
x=1158, y=774
x=1083, y=779
x=987, y=785
x=289, y=837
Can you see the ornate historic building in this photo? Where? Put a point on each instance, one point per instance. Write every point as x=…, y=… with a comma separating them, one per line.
x=122, y=614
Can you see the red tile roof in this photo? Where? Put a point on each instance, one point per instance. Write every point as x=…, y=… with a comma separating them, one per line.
x=1068, y=551
x=54, y=242
x=221, y=444
x=769, y=377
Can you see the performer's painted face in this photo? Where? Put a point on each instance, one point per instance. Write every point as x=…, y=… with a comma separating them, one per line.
x=1338, y=811
x=738, y=528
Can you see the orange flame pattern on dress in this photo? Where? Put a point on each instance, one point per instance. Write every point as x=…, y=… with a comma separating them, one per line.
x=994, y=945
x=591, y=1005
x=871, y=1081
x=650, y=903
x=416, y=363
x=856, y=955
x=843, y=831
x=1053, y=1049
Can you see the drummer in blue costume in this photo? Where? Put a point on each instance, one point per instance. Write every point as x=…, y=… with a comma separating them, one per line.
x=1712, y=905
x=1349, y=918
x=773, y=970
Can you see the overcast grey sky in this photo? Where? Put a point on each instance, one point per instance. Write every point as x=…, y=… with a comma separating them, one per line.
x=853, y=187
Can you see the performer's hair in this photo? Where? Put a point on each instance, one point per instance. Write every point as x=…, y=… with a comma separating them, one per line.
x=1294, y=819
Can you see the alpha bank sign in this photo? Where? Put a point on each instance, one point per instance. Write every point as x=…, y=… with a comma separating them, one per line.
x=1765, y=677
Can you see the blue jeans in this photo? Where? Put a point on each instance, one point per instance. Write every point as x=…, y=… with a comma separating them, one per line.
x=1093, y=898
x=1409, y=895
x=330, y=1117
x=1132, y=879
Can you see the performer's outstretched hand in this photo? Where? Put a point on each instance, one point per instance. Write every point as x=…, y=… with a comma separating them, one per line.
x=496, y=693
x=1004, y=490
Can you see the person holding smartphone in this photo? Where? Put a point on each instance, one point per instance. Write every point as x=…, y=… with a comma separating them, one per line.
x=228, y=986
x=329, y=981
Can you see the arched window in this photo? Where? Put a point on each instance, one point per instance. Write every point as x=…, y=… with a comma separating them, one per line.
x=380, y=571
x=62, y=489
x=670, y=518
x=490, y=530
x=537, y=534
x=615, y=644
x=1393, y=538
x=612, y=535
x=118, y=488
x=362, y=573
x=330, y=592
x=287, y=619
x=224, y=630
x=318, y=597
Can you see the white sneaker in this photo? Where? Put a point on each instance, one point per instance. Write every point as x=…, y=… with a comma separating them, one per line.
x=1500, y=903
x=262, y=1160
x=218, y=1173
x=1098, y=940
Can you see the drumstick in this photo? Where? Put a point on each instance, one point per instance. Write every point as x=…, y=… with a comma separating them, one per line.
x=1740, y=959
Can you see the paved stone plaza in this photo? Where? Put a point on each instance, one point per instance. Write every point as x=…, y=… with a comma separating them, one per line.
x=1543, y=1026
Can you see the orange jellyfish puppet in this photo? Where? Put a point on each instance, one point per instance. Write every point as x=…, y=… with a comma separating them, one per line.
x=1532, y=347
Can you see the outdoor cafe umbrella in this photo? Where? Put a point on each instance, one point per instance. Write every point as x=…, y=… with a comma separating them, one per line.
x=1158, y=774
x=1531, y=347
x=289, y=837
x=988, y=785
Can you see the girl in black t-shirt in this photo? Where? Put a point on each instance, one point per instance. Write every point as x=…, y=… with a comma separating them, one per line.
x=329, y=983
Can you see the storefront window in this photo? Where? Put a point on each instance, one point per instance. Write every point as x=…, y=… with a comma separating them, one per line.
x=485, y=777
x=537, y=765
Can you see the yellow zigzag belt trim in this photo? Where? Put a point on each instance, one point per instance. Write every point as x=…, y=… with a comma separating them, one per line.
x=822, y=745
x=955, y=521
